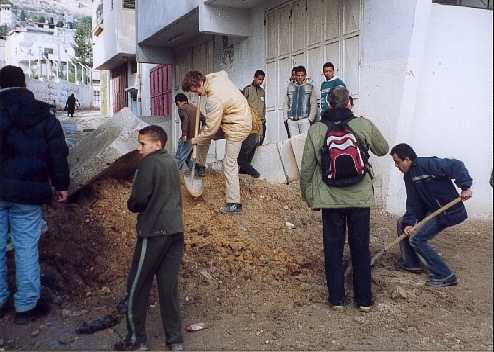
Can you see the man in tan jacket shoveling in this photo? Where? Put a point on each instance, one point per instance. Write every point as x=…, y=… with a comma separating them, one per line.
x=228, y=116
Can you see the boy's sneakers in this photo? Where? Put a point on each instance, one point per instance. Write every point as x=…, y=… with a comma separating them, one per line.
x=231, y=208
x=364, y=309
x=176, y=347
x=249, y=170
x=41, y=309
x=416, y=270
x=448, y=281
x=127, y=345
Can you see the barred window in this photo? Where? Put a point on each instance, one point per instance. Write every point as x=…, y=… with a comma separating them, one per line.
x=129, y=4
x=481, y=4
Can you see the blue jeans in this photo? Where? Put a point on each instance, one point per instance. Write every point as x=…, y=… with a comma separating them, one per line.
x=24, y=221
x=418, y=249
x=183, y=154
x=334, y=225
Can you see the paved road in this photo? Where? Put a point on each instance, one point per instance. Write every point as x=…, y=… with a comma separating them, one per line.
x=82, y=122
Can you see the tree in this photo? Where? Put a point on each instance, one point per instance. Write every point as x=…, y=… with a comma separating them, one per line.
x=83, y=43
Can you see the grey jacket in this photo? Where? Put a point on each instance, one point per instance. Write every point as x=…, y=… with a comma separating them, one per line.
x=300, y=102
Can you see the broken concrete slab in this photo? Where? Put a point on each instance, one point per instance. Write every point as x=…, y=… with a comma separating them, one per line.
x=288, y=160
x=298, y=143
x=268, y=162
x=98, y=151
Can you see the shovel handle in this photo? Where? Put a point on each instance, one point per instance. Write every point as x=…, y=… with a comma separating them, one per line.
x=196, y=127
x=416, y=227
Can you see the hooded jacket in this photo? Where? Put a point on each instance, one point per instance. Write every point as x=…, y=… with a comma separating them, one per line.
x=226, y=108
x=33, y=152
x=315, y=192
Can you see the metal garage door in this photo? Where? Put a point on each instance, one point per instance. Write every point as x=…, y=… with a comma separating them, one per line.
x=309, y=33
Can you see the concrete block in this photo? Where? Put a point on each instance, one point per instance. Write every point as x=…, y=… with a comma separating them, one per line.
x=268, y=162
x=298, y=143
x=288, y=160
x=98, y=151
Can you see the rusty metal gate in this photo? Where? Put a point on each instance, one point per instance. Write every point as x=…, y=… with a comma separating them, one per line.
x=119, y=78
x=161, y=90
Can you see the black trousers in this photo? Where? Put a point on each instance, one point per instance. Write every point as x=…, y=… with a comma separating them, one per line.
x=263, y=133
x=158, y=256
x=247, y=151
x=335, y=223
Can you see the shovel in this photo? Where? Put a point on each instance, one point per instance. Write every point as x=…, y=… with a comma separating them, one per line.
x=193, y=183
x=416, y=227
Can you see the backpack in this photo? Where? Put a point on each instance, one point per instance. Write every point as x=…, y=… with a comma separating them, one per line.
x=344, y=159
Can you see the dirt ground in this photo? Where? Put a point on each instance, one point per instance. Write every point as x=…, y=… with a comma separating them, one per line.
x=254, y=280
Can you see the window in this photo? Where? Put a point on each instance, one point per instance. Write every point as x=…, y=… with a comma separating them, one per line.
x=99, y=13
x=129, y=4
x=482, y=4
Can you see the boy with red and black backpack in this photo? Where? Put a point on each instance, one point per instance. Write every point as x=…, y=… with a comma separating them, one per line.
x=336, y=177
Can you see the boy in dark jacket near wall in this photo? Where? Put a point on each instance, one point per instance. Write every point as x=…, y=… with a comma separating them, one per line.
x=33, y=161
x=429, y=187
x=159, y=250
x=187, y=113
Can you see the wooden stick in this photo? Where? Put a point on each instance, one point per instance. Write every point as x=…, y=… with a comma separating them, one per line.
x=196, y=128
x=416, y=227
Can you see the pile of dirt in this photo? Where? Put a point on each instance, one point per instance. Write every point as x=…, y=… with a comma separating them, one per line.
x=90, y=242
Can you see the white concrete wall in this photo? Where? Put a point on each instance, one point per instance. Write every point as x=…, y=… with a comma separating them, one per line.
x=145, y=93
x=453, y=110
x=118, y=36
x=58, y=92
x=153, y=15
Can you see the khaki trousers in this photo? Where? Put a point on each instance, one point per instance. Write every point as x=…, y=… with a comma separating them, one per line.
x=230, y=165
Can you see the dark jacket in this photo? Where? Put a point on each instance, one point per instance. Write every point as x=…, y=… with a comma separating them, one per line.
x=33, y=151
x=187, y=116
x=429, y=187
x=156, y=196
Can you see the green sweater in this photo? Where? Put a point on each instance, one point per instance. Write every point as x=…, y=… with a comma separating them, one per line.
x=326, y=87
x=256, y=98
x=314, y=190
x=156, y=196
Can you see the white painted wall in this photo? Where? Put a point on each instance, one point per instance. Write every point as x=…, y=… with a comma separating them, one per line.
x=58, y=92
x=453, y=113
x=119, y=33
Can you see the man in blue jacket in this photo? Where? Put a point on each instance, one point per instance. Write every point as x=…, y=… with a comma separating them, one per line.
x=33, y=162
x=429, y=187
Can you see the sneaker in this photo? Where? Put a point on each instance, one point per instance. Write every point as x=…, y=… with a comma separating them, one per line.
x=437, y=283
x=338, y=307
x=364, y=309
x=415, y=270
x=249, y=170
x=127, y=345
x=231, y=208
x=254, y=173
x=176, y=347
x=41, y=309
x=200, y=170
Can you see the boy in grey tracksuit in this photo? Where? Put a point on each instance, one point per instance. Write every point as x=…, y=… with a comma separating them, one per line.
x=159, y=249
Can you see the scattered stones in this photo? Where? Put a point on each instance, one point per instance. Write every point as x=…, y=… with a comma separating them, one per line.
x=35, y=333
x=290, y=225
x=359, y=320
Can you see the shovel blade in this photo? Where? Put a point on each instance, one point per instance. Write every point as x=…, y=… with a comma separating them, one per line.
x=193, y=184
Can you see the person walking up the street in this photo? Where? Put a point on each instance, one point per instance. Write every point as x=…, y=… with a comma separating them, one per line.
x=300, y=103
x=429, y=187
x=336, y=177
x=70, y=105
x=255, y=96
x=33, y=161
x=156, y=198
x=330, y=82
x=187, y=114
x=228, y=116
